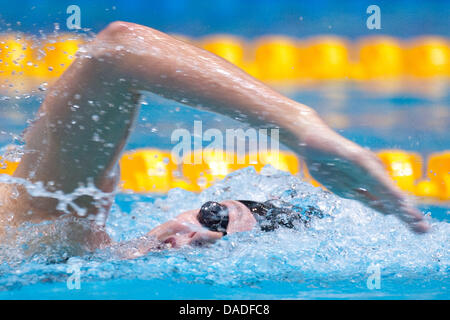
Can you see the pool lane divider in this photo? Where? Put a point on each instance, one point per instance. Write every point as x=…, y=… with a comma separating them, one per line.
x=26, y=60
x=155, y=171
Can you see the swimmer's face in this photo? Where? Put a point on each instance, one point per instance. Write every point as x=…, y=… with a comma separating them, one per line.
x=187, y=229
x=240, y=217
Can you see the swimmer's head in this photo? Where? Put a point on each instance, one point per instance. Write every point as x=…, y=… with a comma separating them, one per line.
x=214, y=216
x=242, y=215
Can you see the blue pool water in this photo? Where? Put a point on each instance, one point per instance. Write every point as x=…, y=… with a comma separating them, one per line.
x=328, y=260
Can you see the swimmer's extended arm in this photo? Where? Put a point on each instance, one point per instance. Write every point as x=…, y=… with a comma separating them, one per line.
x=87, y=114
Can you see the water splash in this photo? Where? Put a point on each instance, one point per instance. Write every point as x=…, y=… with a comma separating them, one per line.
x=338, y=247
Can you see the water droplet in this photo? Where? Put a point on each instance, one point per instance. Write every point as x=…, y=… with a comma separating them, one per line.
x=96, y=137
x=43, y=86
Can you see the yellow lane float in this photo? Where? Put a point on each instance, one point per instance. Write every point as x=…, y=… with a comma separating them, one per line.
x=277, y=59
x=16, y=64
x=428, y=57
x=7, y=167
x=285, y=161
x=381, y=57
x=147, y=170
x=58, y=53
x=438, y=171
x=156, y=171
x=202, y=169
x=406, y=170
x=16, y=56
x=150, y=170
x=228, y=47
x=212, y=166
x=404, y=167
x=427, y=189
x=270, y=58
x=325, y=58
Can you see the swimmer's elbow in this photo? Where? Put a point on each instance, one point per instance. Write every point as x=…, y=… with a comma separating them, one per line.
x=104, y=46
x=123, y=32
x=118, y=34
x=115, y=30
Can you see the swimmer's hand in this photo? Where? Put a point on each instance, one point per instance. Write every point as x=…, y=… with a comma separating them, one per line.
x=353, y=172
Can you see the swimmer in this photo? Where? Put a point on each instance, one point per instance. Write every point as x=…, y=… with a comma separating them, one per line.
x=215, y=220
x=98, y=96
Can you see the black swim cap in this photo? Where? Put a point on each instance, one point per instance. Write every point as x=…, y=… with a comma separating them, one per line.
x=214, y=216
